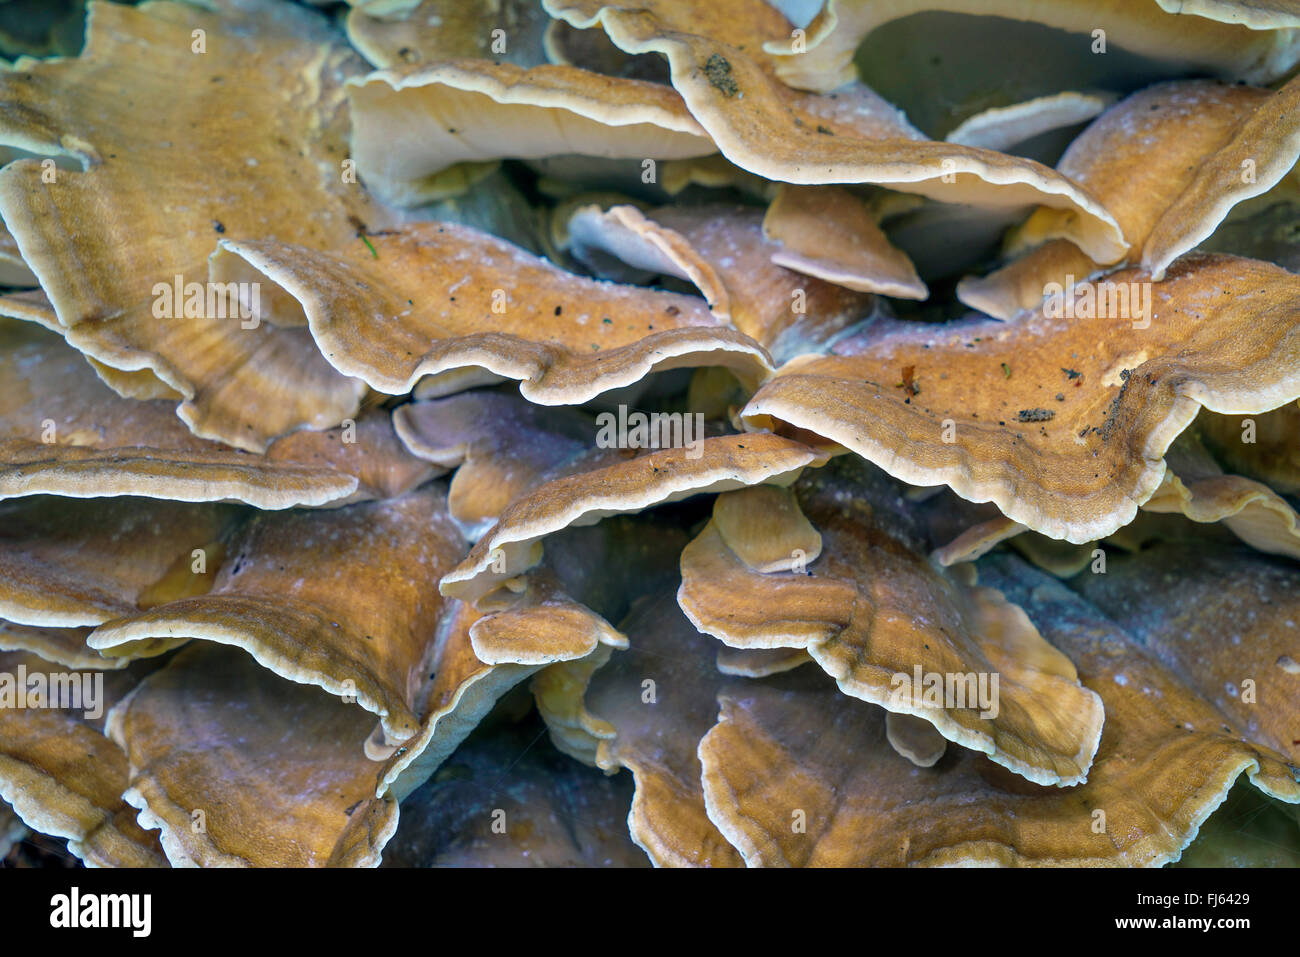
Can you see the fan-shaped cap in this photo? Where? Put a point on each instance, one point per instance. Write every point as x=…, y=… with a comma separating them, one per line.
x=439, y=298
x=1060, y=422
x=723, y=250
x=850, y=136
x=344, y=599
x=1263, y=149
x=275, y=772
x=410, y=125
x=63, y=433
x=1002, y=127
x=653, y=478
x=972, y=665
x=500, y=445
x=1260, y=446
x=1203, y=46
x=63, y=646
x=241, y=384
x=67, y=564
x=58, y=771
x=658, y=696
x=791, y=747
x=829, y=233
x=1139, y=159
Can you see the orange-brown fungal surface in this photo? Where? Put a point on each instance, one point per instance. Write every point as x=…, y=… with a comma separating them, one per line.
x=276, y=772
x=1167, y=759
x=875, y=615
x=435, y=298
x=412, y=124
x=344, y=599
x=853, y=136
x=1061, y=422
x=150, y=303
x=716, y=464
x=58, y=771
x=1142, y=159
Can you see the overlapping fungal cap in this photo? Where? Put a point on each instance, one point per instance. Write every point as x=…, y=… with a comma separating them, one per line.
x=1236, y=48
x=69, y=564
x=655, y=477
x=1194, y=486
x=1258, y=446
x=1059, y=422
x=724, y=252
x=120, y=247
x=63, y=432
x=433, y=30
x=409, y=125
x=658, y=698
x=281, y=780
x=848, y=136
x=793, y=750
x=1004, y=127
x=846, y=583
x=831, y=234
x=58, y=771
x=500, y=445
x=440, y=299
x=345, y=600
x=271, y=586
x=1168, y=162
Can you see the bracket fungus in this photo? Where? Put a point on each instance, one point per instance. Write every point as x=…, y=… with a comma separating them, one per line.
x=497, y=457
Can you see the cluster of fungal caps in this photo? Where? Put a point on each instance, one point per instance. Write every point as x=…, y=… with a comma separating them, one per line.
x=416, y=415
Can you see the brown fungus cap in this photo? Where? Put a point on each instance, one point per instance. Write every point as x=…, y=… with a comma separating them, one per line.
x=1139, y=159
x=67, y=564
x=478, y=656
x=437, y=30
x=409, y=125
x=915, y=739
x=1060, y=422
x=1259, y=446
x=759, y=662
x=501, y=446
x=831, y=234
x=658, y=696
x=275, y=772
x=852, y=136
x=62, y=432
x=1194, y=486
x=64, y=646
x=1004, y=127
x=1165, y=762
x=724, y=251
x=856, y=609
x=1200, y=45
x=440, y=298
x=1263, y=149
x=653, y=478
x=60, y=773
x=240, y=384
x=345, y=600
